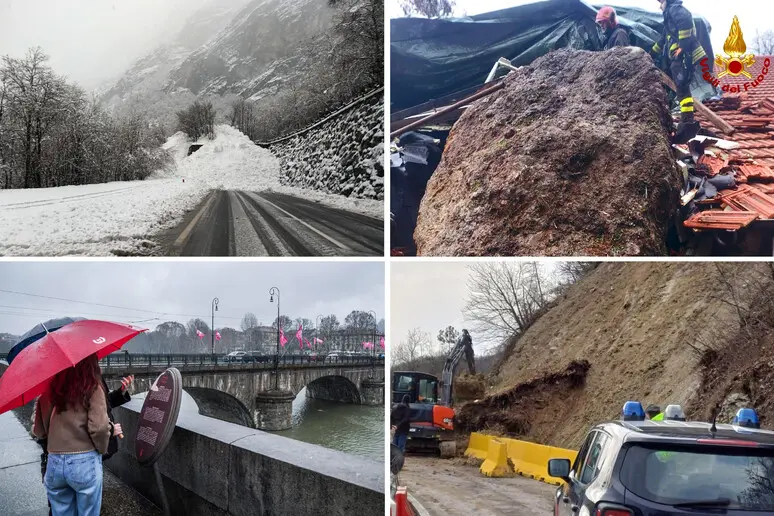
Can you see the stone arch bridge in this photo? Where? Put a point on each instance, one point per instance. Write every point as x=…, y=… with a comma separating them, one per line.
x=257, y=395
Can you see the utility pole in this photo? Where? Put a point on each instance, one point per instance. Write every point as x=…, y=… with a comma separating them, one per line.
x=274, y=291
x=373, y=337
x=212, y=328
x=317, y=322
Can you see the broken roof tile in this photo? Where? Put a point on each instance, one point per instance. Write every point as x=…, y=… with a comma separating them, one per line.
x=716, y=219
x=714, y=165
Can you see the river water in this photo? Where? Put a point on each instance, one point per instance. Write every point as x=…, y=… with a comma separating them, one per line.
x=355, y=429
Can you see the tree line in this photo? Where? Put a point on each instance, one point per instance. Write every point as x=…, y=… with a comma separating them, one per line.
x=504, y=300
x=51, y=134
x=176, y=337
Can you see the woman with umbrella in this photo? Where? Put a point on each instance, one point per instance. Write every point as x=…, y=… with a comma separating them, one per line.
x=72, y=416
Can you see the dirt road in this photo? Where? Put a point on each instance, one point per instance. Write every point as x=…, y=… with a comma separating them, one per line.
x=237, y=223
x=451, y=488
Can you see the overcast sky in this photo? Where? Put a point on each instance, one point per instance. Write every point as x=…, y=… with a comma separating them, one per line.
x=90, y=41
x=426, y=295
x=186, y=289
x=753, y=14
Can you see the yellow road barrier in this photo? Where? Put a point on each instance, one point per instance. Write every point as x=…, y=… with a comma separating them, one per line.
x=496, y=463
x=478, y=446
x=528, y=459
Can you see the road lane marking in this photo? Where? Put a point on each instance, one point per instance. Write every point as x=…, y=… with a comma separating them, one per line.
x=326, y=237
x=187, y=231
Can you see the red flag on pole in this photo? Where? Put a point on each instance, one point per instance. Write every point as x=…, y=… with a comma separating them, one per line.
x=300, y=336
x=217, y=336
x=381, y=342
x=283, y=340
x=200, y=334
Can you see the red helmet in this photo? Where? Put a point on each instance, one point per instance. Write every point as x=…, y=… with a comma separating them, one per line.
x=606, y=14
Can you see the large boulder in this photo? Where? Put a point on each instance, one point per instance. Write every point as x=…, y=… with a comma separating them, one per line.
x=571, y=158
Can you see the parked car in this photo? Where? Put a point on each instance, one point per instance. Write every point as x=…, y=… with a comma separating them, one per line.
x=235, y=356
x=256, y=357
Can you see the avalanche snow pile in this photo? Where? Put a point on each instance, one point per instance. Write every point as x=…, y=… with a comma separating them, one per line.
x=344, y=155
x=571, y=158
x=119, y=218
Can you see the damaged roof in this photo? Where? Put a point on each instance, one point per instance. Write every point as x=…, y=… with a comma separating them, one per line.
x=748, y=106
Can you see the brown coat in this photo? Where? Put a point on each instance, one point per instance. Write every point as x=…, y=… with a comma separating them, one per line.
x=75, y=430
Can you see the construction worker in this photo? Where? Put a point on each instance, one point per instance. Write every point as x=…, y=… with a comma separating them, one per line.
x=615, y=35
x=679, y=48
x=654, y=413
x=400, y=421
x=468, y=343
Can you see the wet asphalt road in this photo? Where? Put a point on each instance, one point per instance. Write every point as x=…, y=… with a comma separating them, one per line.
x=452, y=488
x=239, y=223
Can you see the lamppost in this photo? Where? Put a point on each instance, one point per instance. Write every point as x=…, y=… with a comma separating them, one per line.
x=317, y=331
x=274, y=291
x=212, y=328
x=373, y=339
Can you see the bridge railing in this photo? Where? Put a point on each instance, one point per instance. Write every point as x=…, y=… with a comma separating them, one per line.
x=120, y=360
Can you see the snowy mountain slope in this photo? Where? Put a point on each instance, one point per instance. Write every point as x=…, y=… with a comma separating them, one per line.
x=103, y=219
x=257, y=52
x=151, y=72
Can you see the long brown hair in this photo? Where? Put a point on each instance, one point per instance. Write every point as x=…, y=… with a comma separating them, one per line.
x=74, y=386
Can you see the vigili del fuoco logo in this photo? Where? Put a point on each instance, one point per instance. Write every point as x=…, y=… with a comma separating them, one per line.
x=737, y=63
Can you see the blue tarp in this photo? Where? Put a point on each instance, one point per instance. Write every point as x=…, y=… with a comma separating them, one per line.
x=433, y=58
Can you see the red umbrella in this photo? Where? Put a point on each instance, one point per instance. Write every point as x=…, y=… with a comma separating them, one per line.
x=33, y=368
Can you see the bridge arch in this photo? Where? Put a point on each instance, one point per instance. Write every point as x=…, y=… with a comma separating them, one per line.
x=220, y=405
x=334, y=388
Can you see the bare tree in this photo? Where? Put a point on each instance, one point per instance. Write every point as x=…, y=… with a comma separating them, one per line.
x=415, y=345
x=573, y=272
x=359, y=30
x=360, y=321
x=763, y=43
x=198, y=120
x=428, y=8
x=328, y=325
x=505, y=298
x=249, y=321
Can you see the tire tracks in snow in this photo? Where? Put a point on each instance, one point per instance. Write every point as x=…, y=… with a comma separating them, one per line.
x=239, y=223
x=62, y=200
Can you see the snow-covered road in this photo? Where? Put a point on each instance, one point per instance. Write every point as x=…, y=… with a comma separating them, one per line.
x=125, y=217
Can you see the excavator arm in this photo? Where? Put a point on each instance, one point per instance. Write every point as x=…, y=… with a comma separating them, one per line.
x=447, y=377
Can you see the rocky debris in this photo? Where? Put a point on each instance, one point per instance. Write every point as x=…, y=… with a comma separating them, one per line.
x=469, y=387
x=513, y=411
x=572, y=157
x=343, y=156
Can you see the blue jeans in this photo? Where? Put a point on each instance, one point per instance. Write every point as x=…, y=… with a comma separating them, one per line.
x=400, y=441
x=74, y=484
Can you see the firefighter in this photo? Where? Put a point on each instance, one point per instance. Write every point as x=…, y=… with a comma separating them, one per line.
x=615, y=35
x=467, y=342
x=679, y=48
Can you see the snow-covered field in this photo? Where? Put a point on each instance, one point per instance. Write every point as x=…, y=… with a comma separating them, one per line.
x=97, y=220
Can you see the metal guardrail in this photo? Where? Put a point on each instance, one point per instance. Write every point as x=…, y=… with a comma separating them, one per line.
x=121, y=360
